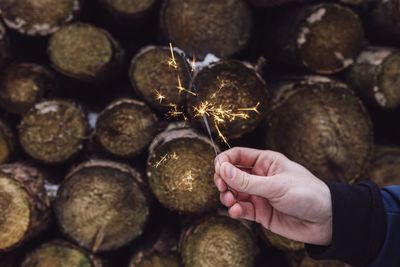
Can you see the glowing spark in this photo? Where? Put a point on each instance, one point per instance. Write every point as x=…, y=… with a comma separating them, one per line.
x=159, y=97
x=183, y=89
x=166, y=157
x=172, y=62
x=174, y=112
x=255, y=109
x=223, y=138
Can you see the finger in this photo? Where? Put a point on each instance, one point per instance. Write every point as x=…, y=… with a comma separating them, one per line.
x=244, y=182
x=227, y=199
x=219, y=183
x=237, y=156
x=242, y=210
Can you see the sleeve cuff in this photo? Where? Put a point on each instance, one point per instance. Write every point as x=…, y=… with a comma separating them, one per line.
x=359, y=224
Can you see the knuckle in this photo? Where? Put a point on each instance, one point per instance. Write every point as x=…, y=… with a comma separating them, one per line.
x=244, y=181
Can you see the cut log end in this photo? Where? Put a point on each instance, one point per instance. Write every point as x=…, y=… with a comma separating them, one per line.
x=126, y=127
x=309, y=262
x=24, y=84
x=281, y=242
x=180, y=170
x=38, y=17
x=59, y=254
x=127, y=8
x=7, y=143
x=218, y=241
x=53, y=131
x=385, y=166
x=191, y=26
x=155, y=77
x=84, y=52
x=314, y=125
x=231, y=95
x=389, y=81
x=269, y=3
x=24, y=204
x=101, y=205
x=329, y=38
x=154, y=259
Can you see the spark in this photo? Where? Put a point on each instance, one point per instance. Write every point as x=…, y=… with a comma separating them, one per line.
x=255, y=108
x=187, y=182
x=160, y=97
x=166, y=157
x=174, y=112
x=183, y=89
x=172, y=61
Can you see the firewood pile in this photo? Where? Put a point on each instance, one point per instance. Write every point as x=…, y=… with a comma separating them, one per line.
x=112, y=112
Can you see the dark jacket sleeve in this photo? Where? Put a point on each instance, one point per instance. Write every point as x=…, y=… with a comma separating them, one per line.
x=359, y=225
x=389, y=255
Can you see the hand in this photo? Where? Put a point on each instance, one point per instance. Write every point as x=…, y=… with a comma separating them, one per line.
x=283, y=196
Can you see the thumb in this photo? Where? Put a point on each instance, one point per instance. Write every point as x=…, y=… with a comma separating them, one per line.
x=242, y=181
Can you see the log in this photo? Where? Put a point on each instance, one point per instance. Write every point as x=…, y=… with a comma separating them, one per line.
x=356, y=3
x=85, y=52
x=24, y=84
x=53, y=131
x=154, y=259
x=270, y=3
x=125, y=128
x=24, y=204
x=281, y=242
x=308, y=262
x=5, y=46
x=383, y=19
x=180, y=171
x=101, y=205
x=231, y=95
x=321, y=124
x=385, y=166
x=217, y=241
x=59, y=253
x=7, y=143
x=38, y=17
x=323, y=38
x=128, y=9
x=191, y=25
x=155, y=77
x=376, y=76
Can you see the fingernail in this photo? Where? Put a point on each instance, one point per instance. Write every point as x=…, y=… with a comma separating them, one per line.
x=230, y=171
x=217, y=166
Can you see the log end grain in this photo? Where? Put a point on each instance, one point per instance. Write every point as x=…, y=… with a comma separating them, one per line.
x=84, y=52
x=59, y=254
x=152, y=74
x=24, y=84
x=127, y=8
x=191, y=26
x=218, y=241
x=24, y=204
x=322, y=125
x=38, y=17
x=329, y=38
x=53, y=131
x=229, y=87
x=101, y=205
x=385, y=166
x=154, y=259
x=126, y=127
x=180, y=170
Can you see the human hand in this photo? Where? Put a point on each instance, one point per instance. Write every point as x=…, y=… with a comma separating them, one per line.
x=268, y=188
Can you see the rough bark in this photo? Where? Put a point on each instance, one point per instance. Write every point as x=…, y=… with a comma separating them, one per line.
x=7, y=143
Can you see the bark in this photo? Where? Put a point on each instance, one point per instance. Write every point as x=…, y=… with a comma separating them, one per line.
x=7, y=143
x=24, y=204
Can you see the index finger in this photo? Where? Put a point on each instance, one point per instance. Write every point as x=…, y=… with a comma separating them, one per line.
x=242, y=156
